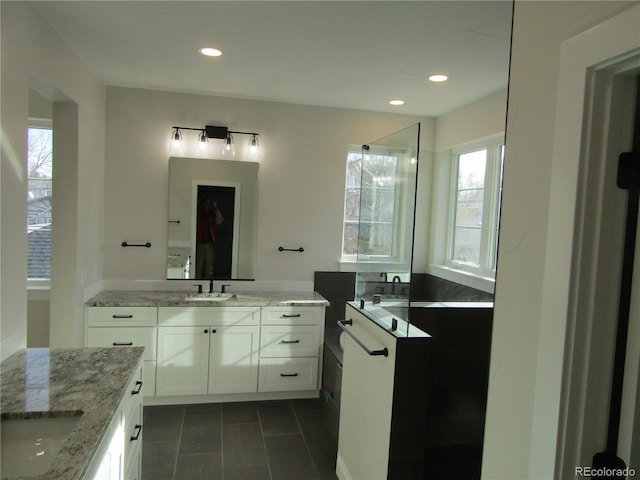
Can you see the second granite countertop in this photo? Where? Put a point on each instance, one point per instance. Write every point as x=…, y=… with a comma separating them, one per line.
x=42, y=382
x=157, y=298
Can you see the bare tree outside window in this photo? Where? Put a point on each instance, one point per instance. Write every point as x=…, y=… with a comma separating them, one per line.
x=39, y=196
x=370, y=205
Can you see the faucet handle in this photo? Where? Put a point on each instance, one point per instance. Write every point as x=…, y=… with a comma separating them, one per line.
x=199, y=285
x=224, y=288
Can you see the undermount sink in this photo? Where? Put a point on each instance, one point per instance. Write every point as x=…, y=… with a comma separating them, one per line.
x=209, y=297
x=29, y=445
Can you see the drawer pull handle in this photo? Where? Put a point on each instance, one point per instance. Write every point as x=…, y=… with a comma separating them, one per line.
x=291, y=315
x=137, y=389
x=123, y=316
x=122, y=344
x=289, y=341
x=137, y=431
x=288, y=374
x=374, y=353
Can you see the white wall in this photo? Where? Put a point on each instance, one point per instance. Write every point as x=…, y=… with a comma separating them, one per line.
x=301, y=185
x=480, y=119
x=539, y=30
x=33, y=56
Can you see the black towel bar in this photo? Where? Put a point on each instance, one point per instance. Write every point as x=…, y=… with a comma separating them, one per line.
x=125, y=244
x=282, y=249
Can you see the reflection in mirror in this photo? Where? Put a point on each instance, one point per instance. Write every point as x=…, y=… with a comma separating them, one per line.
x=213, y=211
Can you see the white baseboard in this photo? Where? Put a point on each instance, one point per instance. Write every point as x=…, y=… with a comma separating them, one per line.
x=341, y=469
x=228, y=397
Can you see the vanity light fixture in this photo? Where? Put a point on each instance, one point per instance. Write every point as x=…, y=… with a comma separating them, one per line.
x=396, y=102
x=212, y=131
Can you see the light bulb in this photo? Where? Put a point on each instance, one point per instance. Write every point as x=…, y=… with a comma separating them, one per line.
x=228, y=147
x=253, y=145
x=203, y=142
x=176, y=141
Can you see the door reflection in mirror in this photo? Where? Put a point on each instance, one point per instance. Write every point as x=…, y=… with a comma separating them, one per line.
x=214, y=238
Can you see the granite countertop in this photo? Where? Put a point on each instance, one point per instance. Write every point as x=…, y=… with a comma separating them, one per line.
x=156, y=298
x=40, y=382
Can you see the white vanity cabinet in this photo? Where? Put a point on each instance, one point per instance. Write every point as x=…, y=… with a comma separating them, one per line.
x=126, y=327
x=291, y=340
x=207, y=350
x=261, y=348
x=119, y=455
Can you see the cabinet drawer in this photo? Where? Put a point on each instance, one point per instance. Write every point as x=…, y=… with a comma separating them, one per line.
x=124, y=337
x=289, y=341
x=208, y=316
x=122, y=316
x=292, y=315
x=281, y=375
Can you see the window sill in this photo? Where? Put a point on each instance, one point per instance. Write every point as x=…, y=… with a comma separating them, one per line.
x=38, y=290
x=463, y=277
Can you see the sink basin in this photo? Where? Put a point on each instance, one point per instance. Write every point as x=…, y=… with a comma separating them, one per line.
x=29, y=445
x=209, y=297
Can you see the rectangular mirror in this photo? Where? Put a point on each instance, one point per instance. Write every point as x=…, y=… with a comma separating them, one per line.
x=213, y=212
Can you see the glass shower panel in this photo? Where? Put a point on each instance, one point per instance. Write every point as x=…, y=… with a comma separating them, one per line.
x=386, y=223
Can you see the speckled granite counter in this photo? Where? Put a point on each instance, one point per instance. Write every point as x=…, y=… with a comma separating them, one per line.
x=153, y=298
x=64, y=381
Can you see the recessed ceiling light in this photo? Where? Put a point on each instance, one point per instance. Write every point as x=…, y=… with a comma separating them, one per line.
x=439, y=78
x=396, y=102
x=210, y=52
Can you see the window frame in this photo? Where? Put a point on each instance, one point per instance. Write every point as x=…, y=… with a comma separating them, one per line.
x=486, y=269
x=397, y=247
x=38, y=283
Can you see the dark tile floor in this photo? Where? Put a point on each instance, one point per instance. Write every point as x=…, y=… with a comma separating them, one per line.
x=270, y=440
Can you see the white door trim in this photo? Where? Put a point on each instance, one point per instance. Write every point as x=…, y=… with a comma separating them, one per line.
x=580, y=156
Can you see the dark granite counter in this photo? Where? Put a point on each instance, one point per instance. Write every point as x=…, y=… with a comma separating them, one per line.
x=42, y=382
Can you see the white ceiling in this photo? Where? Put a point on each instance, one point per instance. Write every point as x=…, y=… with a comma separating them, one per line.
x=351, y=54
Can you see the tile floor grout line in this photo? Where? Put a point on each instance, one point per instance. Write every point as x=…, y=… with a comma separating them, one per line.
x=222, y=443
x=306, y=445
x=175, y=465
x=264, y=443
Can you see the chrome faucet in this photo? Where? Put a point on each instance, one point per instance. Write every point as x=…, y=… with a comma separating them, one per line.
x=211, y=286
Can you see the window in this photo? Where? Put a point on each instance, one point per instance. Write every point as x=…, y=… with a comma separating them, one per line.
x=39, y=196
x=371, y=204
x=477, y=180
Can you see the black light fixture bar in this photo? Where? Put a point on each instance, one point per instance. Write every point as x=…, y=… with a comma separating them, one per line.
x=213, y=131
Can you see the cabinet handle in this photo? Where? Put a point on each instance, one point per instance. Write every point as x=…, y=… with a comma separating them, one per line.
x=122, y=344
x=136, y=435
x=137, y=389
x=213, y=330
x=123, y=316
x=206, y=331
x=291, y=315
x=374, y=353
x=288, y=374
x=289, y=341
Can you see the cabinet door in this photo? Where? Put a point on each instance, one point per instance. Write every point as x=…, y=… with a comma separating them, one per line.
x=233, y=366
x=183, y=360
